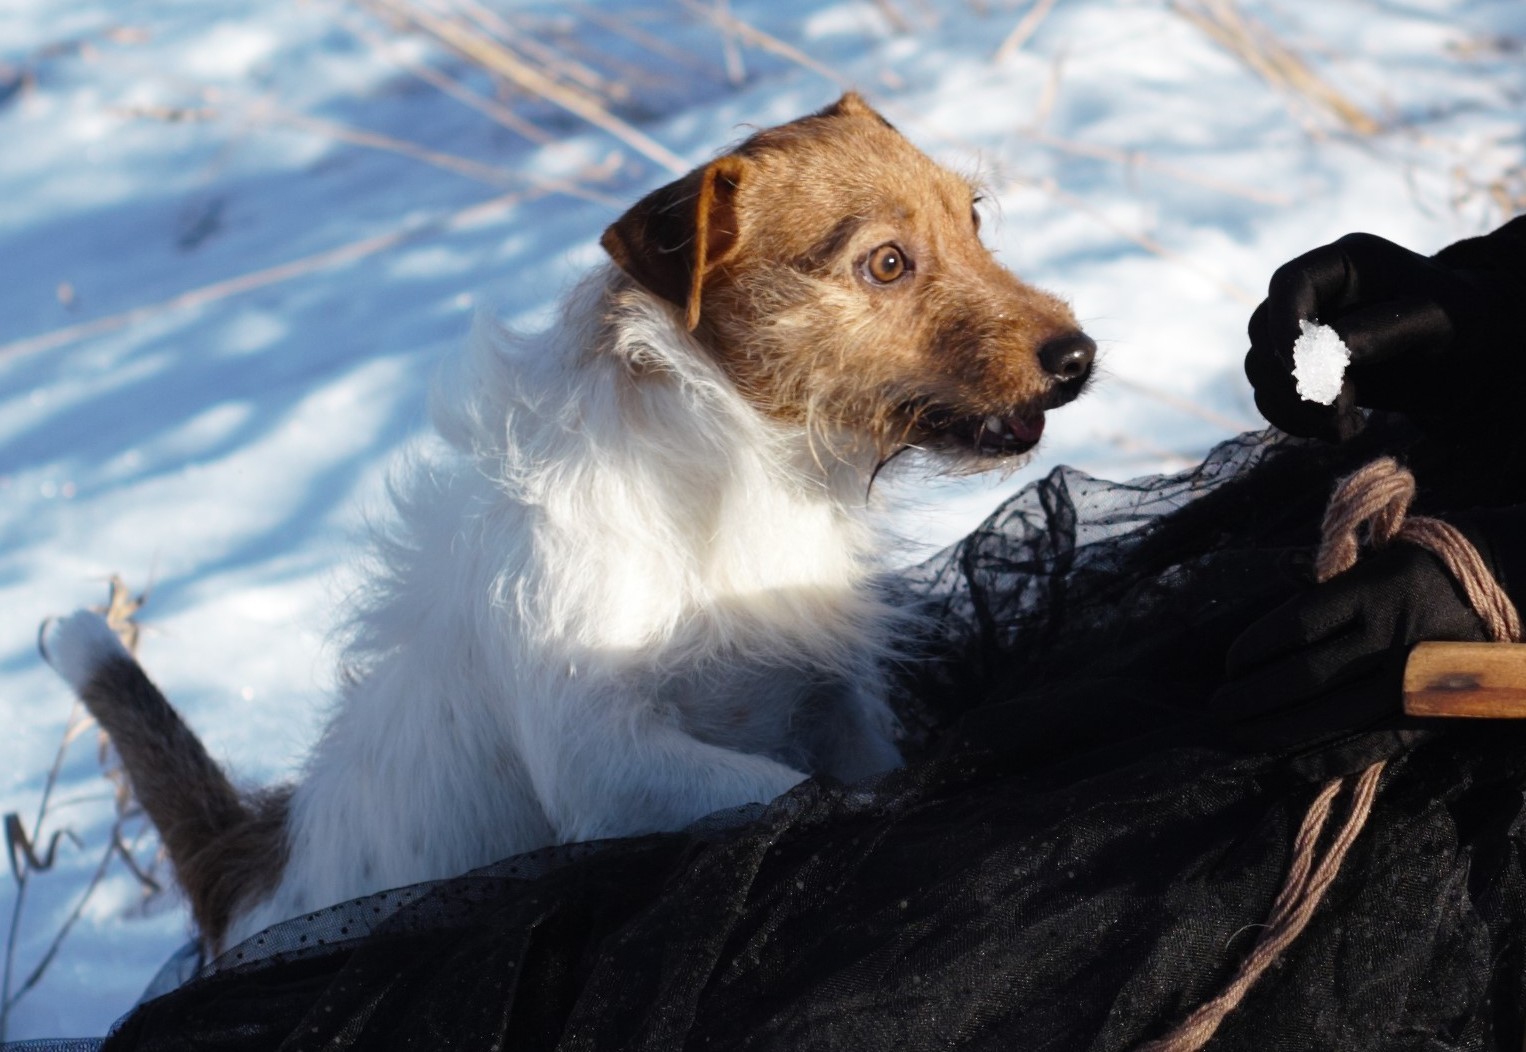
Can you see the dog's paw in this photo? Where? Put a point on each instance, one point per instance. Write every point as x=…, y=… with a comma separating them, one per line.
x=77, y=646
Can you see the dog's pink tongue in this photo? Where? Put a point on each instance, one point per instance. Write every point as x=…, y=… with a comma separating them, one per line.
x=1026, y=430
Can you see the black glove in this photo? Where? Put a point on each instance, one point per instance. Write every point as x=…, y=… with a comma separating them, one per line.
x=1332, y=658
x=1431, y=338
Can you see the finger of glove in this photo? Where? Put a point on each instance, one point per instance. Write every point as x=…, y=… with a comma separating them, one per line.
x=1317, y=616
x=1301, y=290
x=1280, y=724
x=1377, y=269
x=1262, y=338
x=1397, y=351
x=1294, y=677
x=1297, y=416
x=1410, y=326
x=1386, y=602
x=1434, y=605
x=1278, y=400
x=1324, y=282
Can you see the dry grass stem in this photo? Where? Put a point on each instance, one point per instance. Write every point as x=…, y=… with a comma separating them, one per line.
x=470, y=26
x=736, y=69
x=770, y=43
x=1169, y=459
x=167, y=114
x=143, y=874
x=1505, y=191
x=20, y=847
x=498, y=59
x=728, y=22
x=892, y=15
x=1050, y=94
x=1138, y=159
x=490, y=108
x=1144, y=241
x=556, y=62
x=318, y=261
x=465, y=166
x=629, y=76
x=1024, y=30
x=115, y=848
x=650, y=41
x=269, y=114
x=1231, y=424
x=119, y=611
x=1258, y=47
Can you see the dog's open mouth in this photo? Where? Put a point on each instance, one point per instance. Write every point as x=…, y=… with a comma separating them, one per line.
x=991, y=435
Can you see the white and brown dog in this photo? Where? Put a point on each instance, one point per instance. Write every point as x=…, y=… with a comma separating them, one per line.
x=638, y=585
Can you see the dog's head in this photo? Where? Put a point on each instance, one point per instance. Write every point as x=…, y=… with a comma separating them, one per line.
x=837, y=275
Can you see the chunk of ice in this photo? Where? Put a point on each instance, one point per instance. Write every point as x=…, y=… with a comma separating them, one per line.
x=1320, y=358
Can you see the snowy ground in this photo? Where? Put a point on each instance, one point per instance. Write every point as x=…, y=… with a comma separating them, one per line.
x=223, y=446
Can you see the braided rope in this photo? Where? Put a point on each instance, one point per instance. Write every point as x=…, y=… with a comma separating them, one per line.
x=1376, y=497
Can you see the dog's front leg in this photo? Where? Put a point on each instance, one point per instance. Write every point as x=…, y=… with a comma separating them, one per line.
x=855, y=736
x=619, y=773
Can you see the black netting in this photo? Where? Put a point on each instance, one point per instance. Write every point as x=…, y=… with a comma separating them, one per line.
x=1087, y=838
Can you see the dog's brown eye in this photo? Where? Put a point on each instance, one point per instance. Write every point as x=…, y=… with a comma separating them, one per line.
x=975, y=219
x=887, y=263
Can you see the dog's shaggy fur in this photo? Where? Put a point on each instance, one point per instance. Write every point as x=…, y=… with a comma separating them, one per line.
x=637, y=585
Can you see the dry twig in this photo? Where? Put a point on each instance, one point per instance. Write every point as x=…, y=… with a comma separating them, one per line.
x=728, y=22
x=636, y=35
x=1258, y=47
x=1024, y=30
x=549, y=57
x=1233, y=425
x=788, y=51
x=454, y=88
x=736, y=70
x=893, y=16
x=218, y=290
x=498, y=59
x=270, y=114
x=483, y=173
x=1146, y=242
x=1139, y=159
x=26, y=862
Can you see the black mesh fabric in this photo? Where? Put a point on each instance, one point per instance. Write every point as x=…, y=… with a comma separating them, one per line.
x=1081, y=849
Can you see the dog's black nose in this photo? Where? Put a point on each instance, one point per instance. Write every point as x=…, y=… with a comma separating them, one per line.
x=1068, y=358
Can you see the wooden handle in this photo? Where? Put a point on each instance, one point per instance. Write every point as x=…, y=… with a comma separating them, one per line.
x=1479, y=680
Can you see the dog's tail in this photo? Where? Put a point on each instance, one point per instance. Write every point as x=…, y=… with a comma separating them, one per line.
x=227, y=849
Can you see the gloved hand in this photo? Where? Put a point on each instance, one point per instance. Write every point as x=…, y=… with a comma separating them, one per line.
x=1332, y=658
x=1429, y=337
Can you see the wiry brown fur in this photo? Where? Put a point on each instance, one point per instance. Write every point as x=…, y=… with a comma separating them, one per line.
x=774, y=285
x=227, y=849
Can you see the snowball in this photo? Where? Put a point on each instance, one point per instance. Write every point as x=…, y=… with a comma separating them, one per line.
x=1319, y=363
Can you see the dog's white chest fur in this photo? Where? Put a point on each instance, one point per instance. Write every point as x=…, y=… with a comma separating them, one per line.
x=620, y=600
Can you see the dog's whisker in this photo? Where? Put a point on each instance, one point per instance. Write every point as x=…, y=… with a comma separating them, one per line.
x=884, y=461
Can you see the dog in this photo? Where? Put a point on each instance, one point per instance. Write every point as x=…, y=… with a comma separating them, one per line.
x=639, y=583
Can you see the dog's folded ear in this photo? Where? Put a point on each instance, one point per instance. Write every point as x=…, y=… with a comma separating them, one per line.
x=673, y=238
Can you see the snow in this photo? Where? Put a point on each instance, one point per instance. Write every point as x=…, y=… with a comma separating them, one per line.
x=1320, y=358
x=226, y=447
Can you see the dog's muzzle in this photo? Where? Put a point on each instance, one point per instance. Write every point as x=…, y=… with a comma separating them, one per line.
x=1066, y=361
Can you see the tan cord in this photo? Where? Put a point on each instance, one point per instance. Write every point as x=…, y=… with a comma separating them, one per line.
x=1378, y=496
